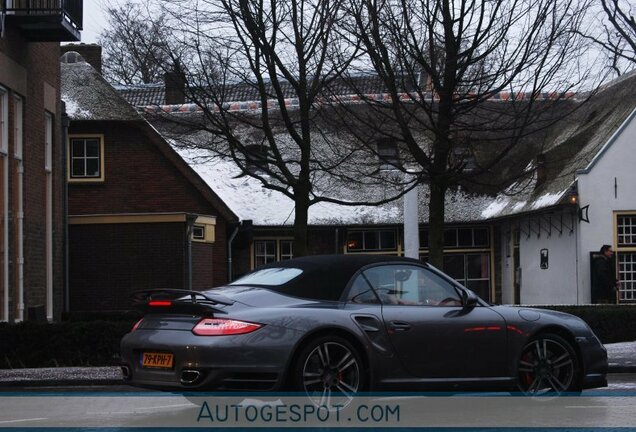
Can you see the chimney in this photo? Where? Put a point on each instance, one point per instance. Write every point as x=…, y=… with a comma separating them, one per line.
x=175, y=87
x=541, y=170
x=92, y=53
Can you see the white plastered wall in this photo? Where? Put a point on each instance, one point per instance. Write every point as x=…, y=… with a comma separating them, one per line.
x=607, y=186
x=557, y=284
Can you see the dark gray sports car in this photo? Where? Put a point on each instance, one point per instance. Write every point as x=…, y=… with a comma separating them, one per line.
x=346, y=324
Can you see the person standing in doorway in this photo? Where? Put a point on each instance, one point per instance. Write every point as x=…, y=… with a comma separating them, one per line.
x=604, y=282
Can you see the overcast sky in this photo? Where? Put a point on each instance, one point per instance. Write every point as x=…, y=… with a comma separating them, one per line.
x=94, y=19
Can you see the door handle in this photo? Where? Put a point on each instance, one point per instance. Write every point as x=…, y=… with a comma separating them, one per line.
x=399, y=326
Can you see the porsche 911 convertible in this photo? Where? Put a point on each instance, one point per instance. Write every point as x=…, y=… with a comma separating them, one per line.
x=347, y=324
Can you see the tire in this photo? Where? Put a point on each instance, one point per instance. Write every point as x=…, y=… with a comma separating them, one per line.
x=326, y=367
x=548, y=365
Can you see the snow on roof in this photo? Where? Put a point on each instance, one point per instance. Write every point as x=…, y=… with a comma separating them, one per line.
x=547, y=200
x=73, y=109
x=88, y=96
x=250, y=200
x=495, y=207
x=567, y=147
x=246, y=197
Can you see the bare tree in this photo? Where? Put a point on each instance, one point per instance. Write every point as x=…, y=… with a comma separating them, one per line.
x=618, y=34
x=283, y=54
x=444, y=64
x=133, y=45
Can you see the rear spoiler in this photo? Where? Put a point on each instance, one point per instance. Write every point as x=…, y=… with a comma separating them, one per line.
x=179, y=301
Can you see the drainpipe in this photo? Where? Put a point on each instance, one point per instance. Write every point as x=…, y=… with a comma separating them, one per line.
x=20, y=217
x=19, y=152
x=5, y=229
x=66, y=122
x=188, y=265
x=229, y=252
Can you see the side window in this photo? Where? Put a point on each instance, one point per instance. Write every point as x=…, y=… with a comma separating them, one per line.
x=361, y=292
x=86, y=159
x=411, y=285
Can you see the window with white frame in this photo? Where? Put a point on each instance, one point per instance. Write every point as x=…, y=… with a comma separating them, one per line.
x=198, y=232
x=271, y=250
x=626, y=255
x=48, y=143
x=18, y=118
x=626, y=226
x=4, y=121
x=203, y=229
x=86, y=156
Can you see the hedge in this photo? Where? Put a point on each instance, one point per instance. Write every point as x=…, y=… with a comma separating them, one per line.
x=611, y=323
x=95, y=341
x=30, y=344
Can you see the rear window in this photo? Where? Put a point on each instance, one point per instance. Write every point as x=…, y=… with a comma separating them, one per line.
x=269, y=277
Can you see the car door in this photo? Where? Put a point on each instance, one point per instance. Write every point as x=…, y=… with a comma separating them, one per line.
x=430, y=330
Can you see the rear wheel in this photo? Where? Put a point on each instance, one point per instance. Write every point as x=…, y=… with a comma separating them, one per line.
x=329, y=367
x=548, y=364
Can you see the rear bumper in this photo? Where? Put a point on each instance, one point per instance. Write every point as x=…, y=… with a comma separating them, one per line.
x=183, y=379
x=250, y=362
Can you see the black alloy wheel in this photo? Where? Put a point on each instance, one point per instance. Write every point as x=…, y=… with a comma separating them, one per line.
x=327, y=368
x=548, y=365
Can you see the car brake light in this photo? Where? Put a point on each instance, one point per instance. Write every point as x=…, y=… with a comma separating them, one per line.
x=136, y=325
x=223, y=327
x=160, y=303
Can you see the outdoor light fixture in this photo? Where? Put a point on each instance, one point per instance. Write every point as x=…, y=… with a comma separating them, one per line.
x=574, y=199
x=583, y=216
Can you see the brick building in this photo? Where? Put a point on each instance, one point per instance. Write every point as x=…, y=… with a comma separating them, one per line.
x=31, y=161
x=139, y=217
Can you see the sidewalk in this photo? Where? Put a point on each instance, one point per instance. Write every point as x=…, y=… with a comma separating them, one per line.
x=622, y=359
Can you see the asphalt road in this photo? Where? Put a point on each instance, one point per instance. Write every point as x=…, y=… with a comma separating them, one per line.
x=87, y=407
x=616, y=383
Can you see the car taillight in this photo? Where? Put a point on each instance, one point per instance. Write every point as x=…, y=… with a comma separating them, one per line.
x=136, y=325
x=160, y=303
x=223, y=327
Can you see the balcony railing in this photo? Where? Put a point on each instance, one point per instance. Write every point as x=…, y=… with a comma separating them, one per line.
x=46, y=20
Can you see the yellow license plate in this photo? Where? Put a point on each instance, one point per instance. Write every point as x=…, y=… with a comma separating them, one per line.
x=157, y=360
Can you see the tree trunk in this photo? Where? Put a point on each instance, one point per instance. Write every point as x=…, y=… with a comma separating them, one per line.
x=436, y=225
x=301, y=209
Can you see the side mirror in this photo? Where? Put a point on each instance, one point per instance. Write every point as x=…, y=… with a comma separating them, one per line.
x=469, y=299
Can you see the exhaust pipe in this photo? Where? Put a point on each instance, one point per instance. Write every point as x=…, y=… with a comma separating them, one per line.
x=190, y=376
x=125, y=371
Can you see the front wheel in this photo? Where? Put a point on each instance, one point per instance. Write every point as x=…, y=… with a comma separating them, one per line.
x=548, y=364
x=329, y=367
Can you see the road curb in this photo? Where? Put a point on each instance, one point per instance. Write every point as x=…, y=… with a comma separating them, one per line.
x=60, y=383
x=15, y=382
x=621, y=369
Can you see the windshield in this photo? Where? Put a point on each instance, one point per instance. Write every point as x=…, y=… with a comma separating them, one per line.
x=269, y=277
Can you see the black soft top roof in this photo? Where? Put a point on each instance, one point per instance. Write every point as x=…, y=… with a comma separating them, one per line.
x=325, y=277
